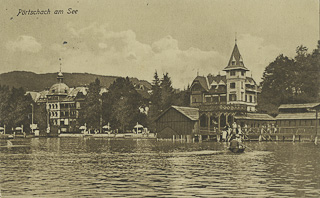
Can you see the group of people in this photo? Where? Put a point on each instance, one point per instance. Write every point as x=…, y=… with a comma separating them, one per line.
x=230, y=132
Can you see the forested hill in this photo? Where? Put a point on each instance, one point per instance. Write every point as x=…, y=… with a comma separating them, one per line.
x=37, y=82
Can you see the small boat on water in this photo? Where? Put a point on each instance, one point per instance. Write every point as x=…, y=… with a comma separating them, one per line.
x=237, y=150
x=236, y=146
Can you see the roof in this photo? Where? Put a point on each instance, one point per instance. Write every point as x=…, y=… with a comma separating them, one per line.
x=218, y=79
x=256, y=116
x=74, y=91
x=237, y=59
x=250, y=80
x=189, y=112
x=217, y=84
x=203, y=82
x=296, y=116
x=34, y=95
x=59, y=88
x=299, y=106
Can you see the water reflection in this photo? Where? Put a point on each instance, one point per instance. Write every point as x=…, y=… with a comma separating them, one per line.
x=62, y=167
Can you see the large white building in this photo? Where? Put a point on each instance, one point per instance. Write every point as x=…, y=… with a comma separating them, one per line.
x=62, y=104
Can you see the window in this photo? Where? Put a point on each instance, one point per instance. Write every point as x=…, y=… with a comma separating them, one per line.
x=232, y=85
x=232, y=97
x=232, y=73
x=246, y=98
x=208, y=98
x=250, y=98
x=223, y=99
x=215, y=99
x=241, y=85
x=233, y=62
x=242, y=73
x=242, y=95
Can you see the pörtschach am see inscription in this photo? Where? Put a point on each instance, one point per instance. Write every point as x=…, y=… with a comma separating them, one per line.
x=30, y=12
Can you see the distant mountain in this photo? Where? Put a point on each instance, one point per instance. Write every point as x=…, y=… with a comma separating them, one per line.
x=37, y=82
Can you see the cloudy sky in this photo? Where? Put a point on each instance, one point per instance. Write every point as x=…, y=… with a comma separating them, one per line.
x=137, y=37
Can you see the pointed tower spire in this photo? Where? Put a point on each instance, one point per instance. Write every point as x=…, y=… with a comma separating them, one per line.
x=235, y=38
x=60, y=75
x=235, y=61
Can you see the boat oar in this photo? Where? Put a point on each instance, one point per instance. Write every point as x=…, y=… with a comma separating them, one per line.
x=249, y=148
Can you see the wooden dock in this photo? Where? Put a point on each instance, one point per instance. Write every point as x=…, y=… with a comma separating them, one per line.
x=293, y=137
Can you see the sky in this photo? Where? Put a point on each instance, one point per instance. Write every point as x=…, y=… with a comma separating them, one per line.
x=135, y=38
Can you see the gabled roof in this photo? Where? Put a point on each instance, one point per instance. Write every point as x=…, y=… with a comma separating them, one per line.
x=203, y=82
x=250, y=80
x=189, y=112
x=235, y=57
x=299, y=106
x=34, y=95
x=206, y=83
x=218, y=78
x=296, y=116
x=256, y=116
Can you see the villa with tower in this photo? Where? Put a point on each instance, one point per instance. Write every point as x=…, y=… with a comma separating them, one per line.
x=218, y=102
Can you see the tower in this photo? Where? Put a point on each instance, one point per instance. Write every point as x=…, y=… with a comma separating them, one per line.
x=236, y=77
x=60, y=75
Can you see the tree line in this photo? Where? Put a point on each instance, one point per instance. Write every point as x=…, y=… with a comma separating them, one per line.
x=291, y=80
x=122, y=106
x=15, y=108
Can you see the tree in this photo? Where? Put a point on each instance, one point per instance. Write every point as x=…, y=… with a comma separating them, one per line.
x=91, y=109
x=287, y=80
x=40, y=116
x=155, y=101
x=121, y=105
x=167, y=92
x=4, y=103
x=182, y=98
x=18, y=109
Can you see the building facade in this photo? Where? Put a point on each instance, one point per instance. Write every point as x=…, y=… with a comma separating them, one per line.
x=299, y=118
x=224, y=99
x=63, y=105
x=177, y=120
x=236, y=87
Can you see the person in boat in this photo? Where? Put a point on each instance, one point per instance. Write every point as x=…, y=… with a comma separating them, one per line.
x=236, y=144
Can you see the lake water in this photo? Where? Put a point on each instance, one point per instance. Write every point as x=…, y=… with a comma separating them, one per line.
x=76, y=167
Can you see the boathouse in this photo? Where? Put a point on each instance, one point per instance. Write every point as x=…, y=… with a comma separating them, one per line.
x=255, y=120
x=177, y=120
x=298, y=118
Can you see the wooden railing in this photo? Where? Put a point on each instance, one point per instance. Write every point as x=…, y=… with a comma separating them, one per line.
x=307, y=130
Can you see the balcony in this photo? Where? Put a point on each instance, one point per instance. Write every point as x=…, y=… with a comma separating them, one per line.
x=209, y=107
